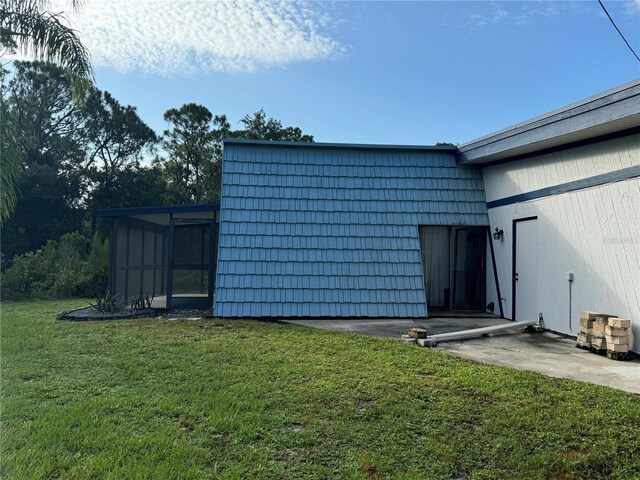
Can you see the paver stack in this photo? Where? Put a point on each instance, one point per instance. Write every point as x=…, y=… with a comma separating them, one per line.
x=604, y=334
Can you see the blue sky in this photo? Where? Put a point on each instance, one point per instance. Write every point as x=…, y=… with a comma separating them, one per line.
x=362, y=72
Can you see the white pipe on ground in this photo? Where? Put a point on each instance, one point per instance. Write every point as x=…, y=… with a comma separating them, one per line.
x=477, y=332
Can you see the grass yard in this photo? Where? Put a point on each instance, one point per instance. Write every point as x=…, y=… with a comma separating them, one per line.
x=242, y=399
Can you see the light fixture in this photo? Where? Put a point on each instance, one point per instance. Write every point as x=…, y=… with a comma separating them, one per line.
x=497, y=235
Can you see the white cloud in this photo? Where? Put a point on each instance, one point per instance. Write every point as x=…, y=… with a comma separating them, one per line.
x=181, y=37
x=632, y=8
x=482, y=14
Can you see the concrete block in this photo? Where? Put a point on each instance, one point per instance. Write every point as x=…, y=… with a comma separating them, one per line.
x=417, y=333
x=616, y=332
x=617, y=340
x=597, y=334
x=619, y=323
x=612, y=347
x=588, y=315
x=586, y=323
x=583, y=337
x=427, y=342
x=583, y=341
x=586, y=332
x=599, y=342
x=598, y=325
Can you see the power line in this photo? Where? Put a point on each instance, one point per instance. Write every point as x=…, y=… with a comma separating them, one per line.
x=616, y=27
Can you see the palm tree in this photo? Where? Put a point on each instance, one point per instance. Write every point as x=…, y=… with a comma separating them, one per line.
x=26, y=26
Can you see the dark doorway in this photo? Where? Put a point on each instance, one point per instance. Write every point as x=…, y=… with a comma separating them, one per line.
x=453, y=263
x=469, y=268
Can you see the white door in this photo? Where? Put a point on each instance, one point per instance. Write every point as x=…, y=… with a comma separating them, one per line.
x=525, y=295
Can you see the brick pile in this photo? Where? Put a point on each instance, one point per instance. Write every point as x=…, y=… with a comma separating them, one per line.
x=617, y=336
x=598, y=342
x=586, y=328
x=604, y=334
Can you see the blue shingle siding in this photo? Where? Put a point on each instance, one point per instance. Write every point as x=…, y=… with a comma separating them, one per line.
x=331, y=231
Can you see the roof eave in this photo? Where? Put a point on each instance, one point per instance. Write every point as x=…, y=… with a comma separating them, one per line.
x=125, y=212
x=616, y=110
x=324, y=145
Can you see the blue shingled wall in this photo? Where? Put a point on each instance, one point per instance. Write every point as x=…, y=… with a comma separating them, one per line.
x=322, y=231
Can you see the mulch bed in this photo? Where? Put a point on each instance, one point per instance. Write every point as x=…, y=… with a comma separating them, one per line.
x=90, y=313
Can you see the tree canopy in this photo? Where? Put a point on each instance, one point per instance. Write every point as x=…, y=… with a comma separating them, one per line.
x=78, y=153
x=29, y=28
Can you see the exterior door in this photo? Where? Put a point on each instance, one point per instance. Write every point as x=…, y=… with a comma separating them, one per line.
x=191, y=264
x=525, y=269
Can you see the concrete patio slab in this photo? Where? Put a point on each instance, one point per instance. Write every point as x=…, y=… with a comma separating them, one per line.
x=395, y=327
x=544, y=352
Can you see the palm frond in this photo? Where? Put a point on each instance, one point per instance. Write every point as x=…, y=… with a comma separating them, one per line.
x=44, y=35
x=10, y=166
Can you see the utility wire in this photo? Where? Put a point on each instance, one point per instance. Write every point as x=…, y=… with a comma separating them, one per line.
x=616, y=27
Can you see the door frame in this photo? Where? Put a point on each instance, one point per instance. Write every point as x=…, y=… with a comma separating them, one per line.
x=192, y=302
x=513, y=262
x=452, y=248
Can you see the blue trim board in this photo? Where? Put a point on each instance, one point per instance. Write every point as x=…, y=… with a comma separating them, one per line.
x=124, y=212
x=610, y=177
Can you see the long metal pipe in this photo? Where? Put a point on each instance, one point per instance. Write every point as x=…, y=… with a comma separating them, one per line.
x=479, y=332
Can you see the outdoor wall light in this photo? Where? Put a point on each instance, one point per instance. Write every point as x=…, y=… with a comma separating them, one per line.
x=497, y=235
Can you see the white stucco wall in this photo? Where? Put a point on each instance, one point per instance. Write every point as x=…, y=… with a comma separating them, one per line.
x=593, y=232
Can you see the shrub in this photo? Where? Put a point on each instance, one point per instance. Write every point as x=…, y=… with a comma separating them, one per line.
x=141, y=302
x=108, y=303
x=73, y=266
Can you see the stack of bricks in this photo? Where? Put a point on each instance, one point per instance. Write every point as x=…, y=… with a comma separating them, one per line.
x=586, y=327
x=617, y=337
x=598, y=340
x=604, y=334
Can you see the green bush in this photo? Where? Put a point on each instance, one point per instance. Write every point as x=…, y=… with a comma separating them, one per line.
x=108, y=303
x=73, y=266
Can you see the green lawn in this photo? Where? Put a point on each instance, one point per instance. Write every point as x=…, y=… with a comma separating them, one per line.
x=242, y=399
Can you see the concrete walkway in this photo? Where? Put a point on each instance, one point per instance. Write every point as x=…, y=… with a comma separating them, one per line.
x=545, y=353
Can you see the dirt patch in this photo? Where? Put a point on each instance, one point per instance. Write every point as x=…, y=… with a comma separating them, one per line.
x=190, y=314
x=89, y=313
x=371, y=472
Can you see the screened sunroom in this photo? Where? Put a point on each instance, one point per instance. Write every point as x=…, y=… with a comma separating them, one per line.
x=166, y=253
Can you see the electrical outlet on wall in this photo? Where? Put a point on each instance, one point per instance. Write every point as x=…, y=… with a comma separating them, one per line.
x=570, y=276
